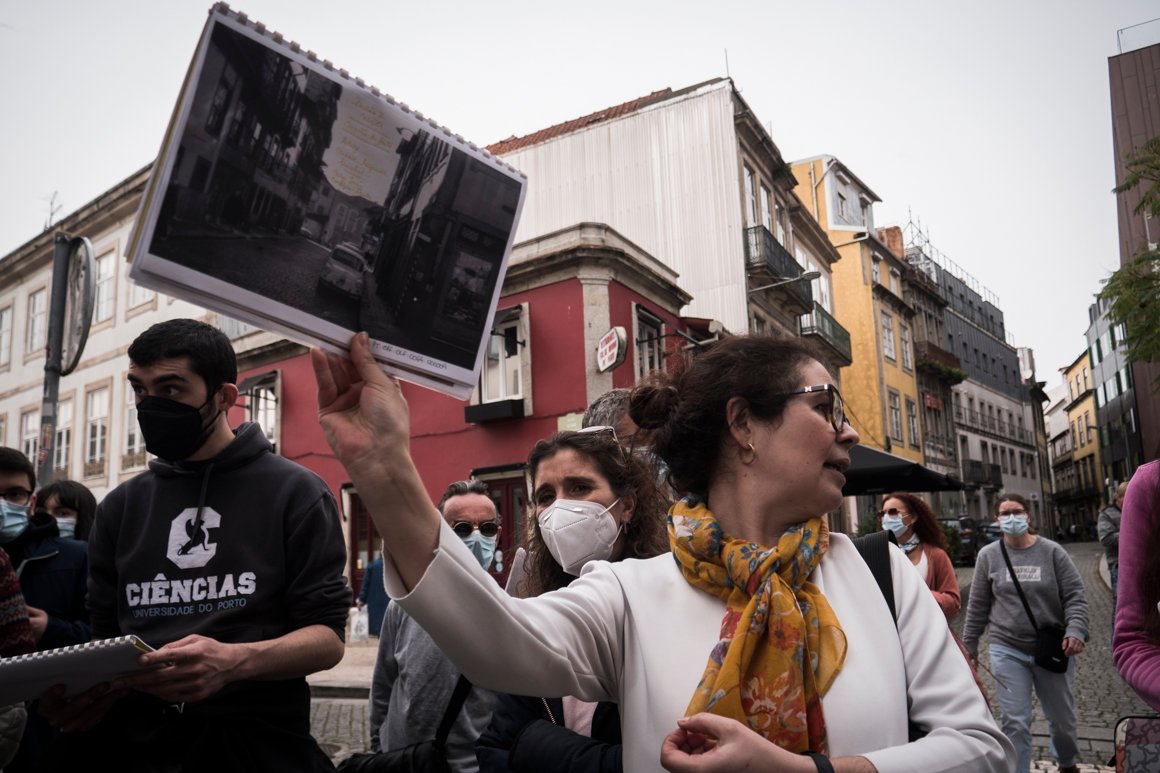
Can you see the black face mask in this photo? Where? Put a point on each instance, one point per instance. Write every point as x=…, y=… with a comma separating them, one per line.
x=173, y=431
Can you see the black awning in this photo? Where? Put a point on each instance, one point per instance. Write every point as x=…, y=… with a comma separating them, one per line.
x=877, y=472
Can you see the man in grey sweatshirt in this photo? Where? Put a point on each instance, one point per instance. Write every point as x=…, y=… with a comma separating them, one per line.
x=413, y=680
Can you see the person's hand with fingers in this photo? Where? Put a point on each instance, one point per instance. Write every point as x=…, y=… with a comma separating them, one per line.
x=707, y=743
x=365, y=419
x=361, y=409
x=185, y=671
x=1072, y=646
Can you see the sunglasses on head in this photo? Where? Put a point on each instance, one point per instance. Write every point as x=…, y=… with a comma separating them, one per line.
x=463, y=529
x=835, y=407
x=598, y=429
x=892, y=512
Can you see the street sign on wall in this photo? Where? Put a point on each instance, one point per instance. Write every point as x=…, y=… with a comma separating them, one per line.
x=611, y=349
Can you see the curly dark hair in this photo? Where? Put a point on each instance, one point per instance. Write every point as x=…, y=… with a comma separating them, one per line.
x=646, y=533
x=683, y=411
x=926, y=526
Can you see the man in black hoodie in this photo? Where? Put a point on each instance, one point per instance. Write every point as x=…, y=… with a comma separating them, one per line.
x=227, y=558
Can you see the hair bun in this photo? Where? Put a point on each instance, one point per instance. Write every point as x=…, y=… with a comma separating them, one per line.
x=651, y=405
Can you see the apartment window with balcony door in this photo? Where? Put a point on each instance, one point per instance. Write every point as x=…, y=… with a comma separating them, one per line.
x=103, y=305
x=502, y=376
x=912, y=422
x=37, y=321
x=1087, y=425
x=895, y=403
x=97, y=431
x=750, y=197
x=135, y=455
x=649, y=344
x=62, y=445
x=262, y=404
x=5, y=339
x=30, y=435
x=904, y=344
x=767, y=209
x=895, y=282
x=888, y=336
x=876, y=270
x=779, y=222
x=1003, y=459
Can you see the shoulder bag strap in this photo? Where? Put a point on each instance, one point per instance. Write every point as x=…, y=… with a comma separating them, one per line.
x=462, y=687
x=1018, y=587
x=875, y=552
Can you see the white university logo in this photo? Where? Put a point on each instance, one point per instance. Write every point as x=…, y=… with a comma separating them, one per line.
x=190, y=547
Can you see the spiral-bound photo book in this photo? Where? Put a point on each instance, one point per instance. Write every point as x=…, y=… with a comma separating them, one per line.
x=78, y=668
x=292, y=196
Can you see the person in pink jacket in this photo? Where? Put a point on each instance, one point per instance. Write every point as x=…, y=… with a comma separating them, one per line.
x=921, y=538
x=1136, y=642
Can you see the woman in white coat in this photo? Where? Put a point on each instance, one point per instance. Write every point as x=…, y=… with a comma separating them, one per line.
x=766, y=642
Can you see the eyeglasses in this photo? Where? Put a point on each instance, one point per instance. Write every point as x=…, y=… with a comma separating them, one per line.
x=17, y=496
x=835, y=407
x=892, y=512
x=463, y=529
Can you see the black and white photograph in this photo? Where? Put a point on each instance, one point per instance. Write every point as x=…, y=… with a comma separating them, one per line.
x=293, y=197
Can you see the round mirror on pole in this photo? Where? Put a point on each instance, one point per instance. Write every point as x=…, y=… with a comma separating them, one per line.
x=78, y=306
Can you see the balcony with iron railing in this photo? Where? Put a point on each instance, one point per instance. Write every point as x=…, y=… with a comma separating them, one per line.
x=934, y=353
x=820, y=324
x=765, y=255
x=976, y=473
x=994, y=426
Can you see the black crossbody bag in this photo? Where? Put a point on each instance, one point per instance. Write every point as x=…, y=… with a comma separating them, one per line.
x=1049, y=638
x=426, y=757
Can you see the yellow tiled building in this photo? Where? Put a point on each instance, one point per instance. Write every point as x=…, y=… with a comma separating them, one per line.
x=1078, y=487
x=880, y=386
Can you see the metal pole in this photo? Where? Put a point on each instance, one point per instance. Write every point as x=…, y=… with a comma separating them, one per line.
x=52, y=360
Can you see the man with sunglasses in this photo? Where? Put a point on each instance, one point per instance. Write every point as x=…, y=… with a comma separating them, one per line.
x=413, y=680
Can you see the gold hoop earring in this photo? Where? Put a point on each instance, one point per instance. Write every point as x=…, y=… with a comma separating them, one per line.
x=752, y=451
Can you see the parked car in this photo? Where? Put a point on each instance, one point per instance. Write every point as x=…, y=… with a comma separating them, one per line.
x=344, y=270
x=962, y=539
x=989, y=532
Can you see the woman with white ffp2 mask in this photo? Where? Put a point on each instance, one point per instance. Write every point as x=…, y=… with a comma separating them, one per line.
x=591, y=500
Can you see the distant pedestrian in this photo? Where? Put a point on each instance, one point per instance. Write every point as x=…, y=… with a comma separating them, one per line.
x=1073, y=532
x=1055, y=593
x=373, y=596
x=1108, y=529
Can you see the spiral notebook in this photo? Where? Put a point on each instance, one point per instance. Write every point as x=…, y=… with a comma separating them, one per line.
x=78, y=667
x=292, y=196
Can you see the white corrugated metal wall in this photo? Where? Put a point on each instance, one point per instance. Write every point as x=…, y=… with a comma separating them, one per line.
x=666, y=178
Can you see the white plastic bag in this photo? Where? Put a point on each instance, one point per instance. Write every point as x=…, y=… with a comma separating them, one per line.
x=359, y=624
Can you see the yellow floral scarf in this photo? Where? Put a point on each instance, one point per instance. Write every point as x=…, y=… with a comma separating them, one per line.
x=781, y=644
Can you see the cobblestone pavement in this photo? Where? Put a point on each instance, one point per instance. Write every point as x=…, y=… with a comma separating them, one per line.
x=339, y=722
x=1101, y=696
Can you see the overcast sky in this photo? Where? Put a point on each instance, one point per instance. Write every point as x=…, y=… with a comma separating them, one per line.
x=987, y=121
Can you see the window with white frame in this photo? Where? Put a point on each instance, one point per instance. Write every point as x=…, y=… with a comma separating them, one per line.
x=139, y=295
x=766, y=209
x=37, y=321
x=502, y=375
x=912, y=422
x=650, y=352
x=30, y=435
x=888, y=335
x=876, y=270
x=62, y=448
x=5, y=336
x=97, y=432
x=261, y=394
x=895, y=415
x=105, y=287
x=904, y=344
x=750, y=197
x=134, y=455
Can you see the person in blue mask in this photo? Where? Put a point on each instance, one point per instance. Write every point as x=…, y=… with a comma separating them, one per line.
x=71, y=505
x=413, y=681
x=53, y=572
x=920, y=537
x=1054, y=593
